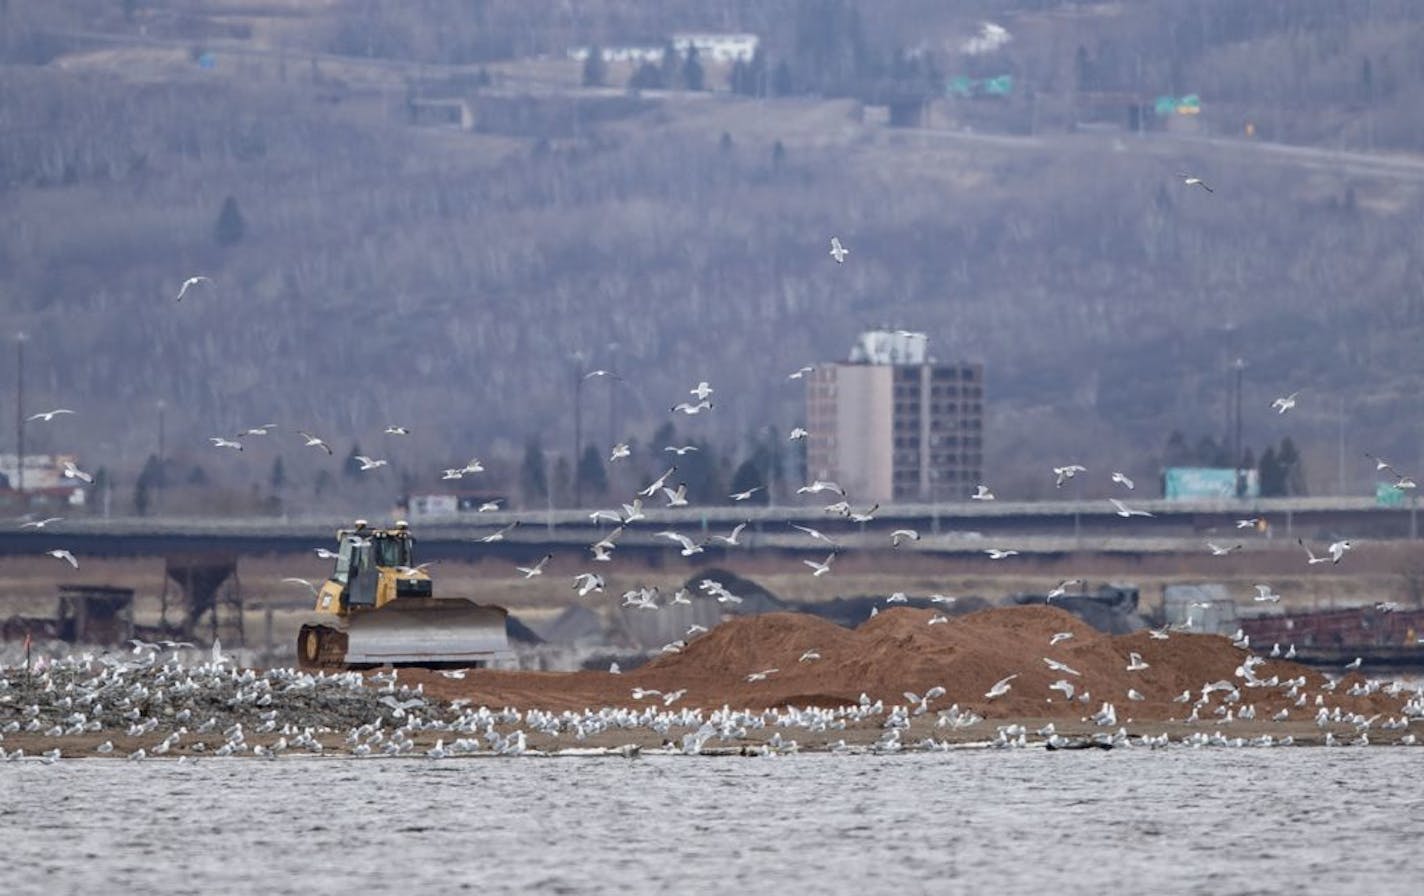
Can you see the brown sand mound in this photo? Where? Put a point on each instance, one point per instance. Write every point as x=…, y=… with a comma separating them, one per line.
x=898, y=650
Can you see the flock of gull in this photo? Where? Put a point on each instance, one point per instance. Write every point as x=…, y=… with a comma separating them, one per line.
x=211, y=709
x=155, y=705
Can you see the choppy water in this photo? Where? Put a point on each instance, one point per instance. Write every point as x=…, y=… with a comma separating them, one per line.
x=1285, y=820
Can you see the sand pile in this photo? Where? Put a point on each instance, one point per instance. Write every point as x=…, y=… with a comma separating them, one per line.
x=898, y=650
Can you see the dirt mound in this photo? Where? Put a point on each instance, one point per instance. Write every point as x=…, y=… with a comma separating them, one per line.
x=757, y=662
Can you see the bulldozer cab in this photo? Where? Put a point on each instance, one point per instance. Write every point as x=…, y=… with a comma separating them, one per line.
x=391, y=549
x=360, y=560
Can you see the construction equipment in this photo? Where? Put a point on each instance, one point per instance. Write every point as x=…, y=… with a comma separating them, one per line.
x=379, y=608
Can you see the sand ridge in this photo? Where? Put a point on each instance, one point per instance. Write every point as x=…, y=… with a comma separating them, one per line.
x=898, y=650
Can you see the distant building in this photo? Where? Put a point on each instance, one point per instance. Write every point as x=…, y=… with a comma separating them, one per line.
x=718, y=47
x=711, y=47
x=43, y=472
x=892, y=424
x=46, y=488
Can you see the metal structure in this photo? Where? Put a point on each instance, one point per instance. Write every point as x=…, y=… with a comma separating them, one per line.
x=210, y=587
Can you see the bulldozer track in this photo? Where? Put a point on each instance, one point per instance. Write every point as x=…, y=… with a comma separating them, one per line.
x=321, y=647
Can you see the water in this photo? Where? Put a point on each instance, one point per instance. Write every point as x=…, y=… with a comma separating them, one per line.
x=1217, y=821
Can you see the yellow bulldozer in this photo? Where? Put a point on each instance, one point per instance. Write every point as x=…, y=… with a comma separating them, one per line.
x=379, y=608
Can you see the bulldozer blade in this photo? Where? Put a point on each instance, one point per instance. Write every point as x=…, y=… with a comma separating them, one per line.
x=427, y=630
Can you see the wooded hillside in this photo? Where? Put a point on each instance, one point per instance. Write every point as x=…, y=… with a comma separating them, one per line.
x=371, y=269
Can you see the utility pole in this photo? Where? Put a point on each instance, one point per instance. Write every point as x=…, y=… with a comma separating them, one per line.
x=20, y=415
x=1236, y=446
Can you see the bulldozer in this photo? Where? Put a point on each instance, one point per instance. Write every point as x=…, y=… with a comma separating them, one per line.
x=379, y=608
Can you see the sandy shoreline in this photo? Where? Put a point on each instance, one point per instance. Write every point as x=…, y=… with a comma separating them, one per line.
x=904, y=680
x=861, y=738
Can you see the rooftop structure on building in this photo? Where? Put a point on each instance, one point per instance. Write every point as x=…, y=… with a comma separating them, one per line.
x=894, y=424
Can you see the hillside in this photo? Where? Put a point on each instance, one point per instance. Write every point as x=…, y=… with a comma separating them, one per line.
x=389, y=271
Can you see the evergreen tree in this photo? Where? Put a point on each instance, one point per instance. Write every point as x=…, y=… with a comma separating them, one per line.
x=646, y=77
x=671, y=67
x=1083, y=68
x=563, y=480
x=278, y=477
x=747, y=477
x=1271, y=475
x=1209, y=454
x=148, y=480
x=140, y=498
x=152, y=473
x=698, y=471
x=778, y=155
x=592, y=478
x=748, y=77
x=533, y=484
x=724, y=145
x=769, y=459
x=1177, y=454
x=94, y=497
x=798, y=461
x=781, y=84
x=351, y=466
x=692, y=74
x=1292, y=468
x=230, y=227
x=595, y=71
x=737, y=79
x=663, y=436
x=322, y=483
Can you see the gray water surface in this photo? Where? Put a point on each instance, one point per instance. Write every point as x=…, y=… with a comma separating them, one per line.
x=1285, y=820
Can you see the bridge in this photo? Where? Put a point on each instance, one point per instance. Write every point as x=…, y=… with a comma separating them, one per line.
x=1054, y=526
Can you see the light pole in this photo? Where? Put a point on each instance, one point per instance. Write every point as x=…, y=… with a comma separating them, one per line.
x=1236, y=448
x=579, y=377
x=159, y=483
x=20, y=412
x=612, y=397
x=1341, y=445
x=549, y=455
x=577, y=461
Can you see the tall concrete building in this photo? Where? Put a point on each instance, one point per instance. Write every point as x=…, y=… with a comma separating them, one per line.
x=892, y=424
